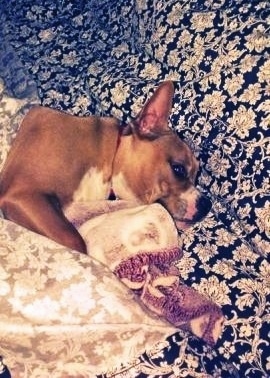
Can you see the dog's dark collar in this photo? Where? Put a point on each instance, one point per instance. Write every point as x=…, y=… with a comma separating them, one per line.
x=112, y=196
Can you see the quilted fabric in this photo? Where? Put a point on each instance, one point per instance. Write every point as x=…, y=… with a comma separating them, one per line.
x=104, y=57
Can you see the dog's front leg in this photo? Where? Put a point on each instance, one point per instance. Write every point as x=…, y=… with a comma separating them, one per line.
x=37, y=212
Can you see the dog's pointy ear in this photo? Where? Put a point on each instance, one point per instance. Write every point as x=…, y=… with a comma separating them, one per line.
x=153, y=119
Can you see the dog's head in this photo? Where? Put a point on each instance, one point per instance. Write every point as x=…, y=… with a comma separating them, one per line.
x=152, y=164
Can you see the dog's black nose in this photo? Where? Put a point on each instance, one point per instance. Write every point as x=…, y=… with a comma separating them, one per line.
x=203, y=205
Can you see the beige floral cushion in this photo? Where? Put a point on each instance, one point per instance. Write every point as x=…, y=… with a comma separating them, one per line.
x=61, y=311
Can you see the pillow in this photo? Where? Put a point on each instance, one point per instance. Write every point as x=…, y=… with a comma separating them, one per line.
x=64, y=313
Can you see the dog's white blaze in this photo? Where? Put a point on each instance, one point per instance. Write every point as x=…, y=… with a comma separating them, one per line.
x=190, y=198
x=92, y=187
x=122, y=189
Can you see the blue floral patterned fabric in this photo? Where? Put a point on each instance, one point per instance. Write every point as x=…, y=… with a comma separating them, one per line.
x=104, y=57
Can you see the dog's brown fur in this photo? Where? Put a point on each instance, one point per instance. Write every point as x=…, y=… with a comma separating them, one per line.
x=58, y=158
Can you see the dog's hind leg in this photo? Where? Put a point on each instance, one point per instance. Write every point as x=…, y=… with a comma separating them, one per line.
x=39, y=213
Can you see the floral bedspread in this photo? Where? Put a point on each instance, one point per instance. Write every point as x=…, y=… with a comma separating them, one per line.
x=105, y=57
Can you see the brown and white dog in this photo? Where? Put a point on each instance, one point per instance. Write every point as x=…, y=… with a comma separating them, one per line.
x=58, y=158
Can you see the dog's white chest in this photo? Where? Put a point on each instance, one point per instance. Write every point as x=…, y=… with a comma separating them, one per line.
x=92, y=187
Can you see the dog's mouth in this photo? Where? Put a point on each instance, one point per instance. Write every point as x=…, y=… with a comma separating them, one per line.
x=184, y=220
x=183, y=224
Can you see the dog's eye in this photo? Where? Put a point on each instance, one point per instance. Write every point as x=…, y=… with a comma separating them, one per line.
x=179, y=170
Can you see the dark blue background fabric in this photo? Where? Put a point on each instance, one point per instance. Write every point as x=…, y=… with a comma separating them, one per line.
x=106, y=57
